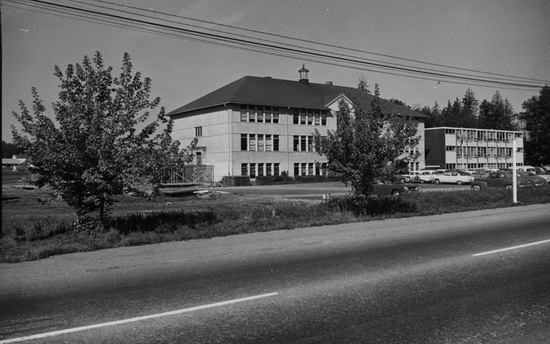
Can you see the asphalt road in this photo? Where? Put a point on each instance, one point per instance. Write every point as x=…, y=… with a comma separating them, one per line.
x=430, y=279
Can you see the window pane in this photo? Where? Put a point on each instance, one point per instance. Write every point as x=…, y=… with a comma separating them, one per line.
x=275, y=115
x=244, y=142
x=309, y=117
x=244, y=169
x=302, y=116
x=276, y=169
x=260, y=112
x=261, y=143
x=252, y=142
x=276, y=143
x=303, y=143
x=244, y=113
x=296, y=116
x=296, y=169
x=252, y=114
x=296, y=143
x=252, y=170
x=324, y=118
x=260, y=170
x=268, y=143
x=268, y=169
x=267, y=114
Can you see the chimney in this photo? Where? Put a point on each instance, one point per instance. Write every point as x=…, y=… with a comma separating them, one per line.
x=303, y=75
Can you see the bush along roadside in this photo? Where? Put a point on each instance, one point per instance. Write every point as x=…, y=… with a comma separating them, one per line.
x=40, y=237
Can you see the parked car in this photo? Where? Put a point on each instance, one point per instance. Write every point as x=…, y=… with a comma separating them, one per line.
x=425, y=176
x=540, y=170
x=452, y=178
x=393, y=189
x=504, y=178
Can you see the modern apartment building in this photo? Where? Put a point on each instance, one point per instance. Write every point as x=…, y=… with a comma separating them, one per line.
x=260, y=126
x=469, y=149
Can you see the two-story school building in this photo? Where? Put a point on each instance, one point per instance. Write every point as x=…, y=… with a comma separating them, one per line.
x=261, y=126
x=470, y=149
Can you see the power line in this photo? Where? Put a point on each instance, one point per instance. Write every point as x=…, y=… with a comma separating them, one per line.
x=281, y=49
x=310, y=41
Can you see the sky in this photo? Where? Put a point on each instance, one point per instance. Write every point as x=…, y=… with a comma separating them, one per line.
x=510, y=37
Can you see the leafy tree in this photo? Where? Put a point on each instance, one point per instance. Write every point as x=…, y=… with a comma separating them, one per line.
x=366, y=145
x=497, y=114
x=95, y=151
x=537, y=124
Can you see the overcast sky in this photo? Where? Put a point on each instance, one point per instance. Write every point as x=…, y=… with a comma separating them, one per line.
x=510, y=37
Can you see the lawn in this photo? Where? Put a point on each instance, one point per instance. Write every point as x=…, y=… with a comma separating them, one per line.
x=36, y=225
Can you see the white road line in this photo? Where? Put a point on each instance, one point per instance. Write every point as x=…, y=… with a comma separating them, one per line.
x=125, y=321
x=510, y=248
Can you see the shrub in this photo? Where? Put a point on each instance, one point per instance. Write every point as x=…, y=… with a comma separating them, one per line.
x=274, y=180
x=374, y=206
x=236, y=181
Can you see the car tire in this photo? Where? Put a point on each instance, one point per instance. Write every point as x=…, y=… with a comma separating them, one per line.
x=395, y=193
x=459, y=182
x=476, y=187
x=437, y=181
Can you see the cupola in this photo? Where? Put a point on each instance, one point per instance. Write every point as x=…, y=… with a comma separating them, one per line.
x=303, y=75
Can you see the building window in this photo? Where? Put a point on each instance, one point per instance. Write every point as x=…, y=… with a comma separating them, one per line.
x=303, y=169
x=244, y=113
x=260, y=114
x=302, y=116
x=268, y=143
x=260, y=170
x=252, y=114
x=450, y=148
x=296, y=116
x=244, y=142
x=198, y=131
x=275, y=115
x=324, y=118
x=252, y=142
x=252, y=170
x=276, y=169
x=310, y=146
x=244, y=169
x=310, y=117
x=260, y=142
x=198, y=158
x=267, y=114
x=296, y=169
x=268, y=169
x=310, y=168
x=303, y=143
x=296, y=143
x=275, y=143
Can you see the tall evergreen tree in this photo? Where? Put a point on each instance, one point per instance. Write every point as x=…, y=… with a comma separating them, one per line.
x=468, y=118
x=537, y=124
x=497, y=114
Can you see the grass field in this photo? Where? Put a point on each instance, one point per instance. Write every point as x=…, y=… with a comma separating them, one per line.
x=36, y=226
